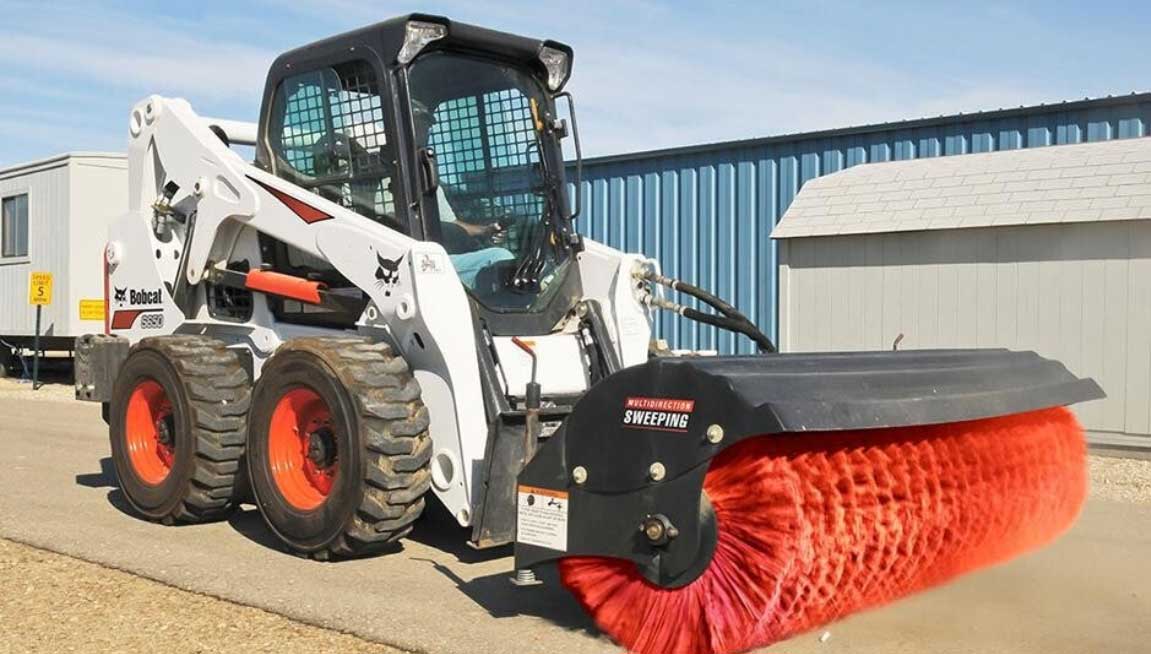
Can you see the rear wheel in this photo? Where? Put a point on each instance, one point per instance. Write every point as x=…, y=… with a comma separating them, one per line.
x=177, y=423
x=338, y=446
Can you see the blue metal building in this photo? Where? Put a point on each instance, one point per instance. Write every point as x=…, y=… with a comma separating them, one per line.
x=707, y=211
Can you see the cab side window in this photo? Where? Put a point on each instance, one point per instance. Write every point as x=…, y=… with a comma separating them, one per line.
x=328, y=134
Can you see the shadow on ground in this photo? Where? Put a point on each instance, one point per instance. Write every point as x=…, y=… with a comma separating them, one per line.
x=436, y=529
x=106, y=478
x=495, y=593
x=248, y=522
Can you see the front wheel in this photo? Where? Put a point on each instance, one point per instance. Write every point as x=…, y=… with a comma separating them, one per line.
x=176, y=423
x=338, y=446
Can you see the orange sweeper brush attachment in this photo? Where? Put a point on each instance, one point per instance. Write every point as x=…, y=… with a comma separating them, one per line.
x=871, y=476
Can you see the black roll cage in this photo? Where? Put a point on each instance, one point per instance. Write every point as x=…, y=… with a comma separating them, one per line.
x=379, y=45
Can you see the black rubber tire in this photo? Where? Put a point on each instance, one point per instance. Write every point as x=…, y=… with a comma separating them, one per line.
x=5, y=360
x=209, y=389
x=381, y=431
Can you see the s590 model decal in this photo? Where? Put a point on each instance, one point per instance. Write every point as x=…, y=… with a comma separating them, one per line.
x=125, y=318
x=152, y=320
x=659, y=413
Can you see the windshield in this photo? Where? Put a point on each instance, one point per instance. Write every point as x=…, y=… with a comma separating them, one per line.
x=496, y=201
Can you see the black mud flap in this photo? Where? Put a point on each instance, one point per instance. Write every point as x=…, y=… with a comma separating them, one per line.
x=634, y=451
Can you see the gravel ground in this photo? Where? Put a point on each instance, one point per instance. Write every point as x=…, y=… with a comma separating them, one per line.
x=1121, y=480
x=17, y=389
x=54, y=603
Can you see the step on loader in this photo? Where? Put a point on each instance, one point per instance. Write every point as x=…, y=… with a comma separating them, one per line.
x=392, y=303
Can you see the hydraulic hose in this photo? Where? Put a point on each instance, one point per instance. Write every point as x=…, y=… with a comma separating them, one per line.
x=698, y=293
x=744, y=326
x=739, y=326
x=732, y=319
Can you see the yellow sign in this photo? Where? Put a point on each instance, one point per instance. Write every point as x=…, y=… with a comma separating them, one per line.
x=40, y=288
x=91, y=309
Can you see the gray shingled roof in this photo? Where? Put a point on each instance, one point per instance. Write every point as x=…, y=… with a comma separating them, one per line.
x=1068, y=183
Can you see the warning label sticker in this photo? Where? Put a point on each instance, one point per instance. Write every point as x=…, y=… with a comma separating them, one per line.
x=542, y=518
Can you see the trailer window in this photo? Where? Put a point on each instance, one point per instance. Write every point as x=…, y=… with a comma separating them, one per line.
x=14, y=226
x=328, y=135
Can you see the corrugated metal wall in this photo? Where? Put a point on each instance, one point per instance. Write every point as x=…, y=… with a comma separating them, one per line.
x=706, y=212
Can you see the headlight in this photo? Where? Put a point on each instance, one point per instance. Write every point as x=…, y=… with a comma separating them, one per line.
x=417, y=35
x=557, y=64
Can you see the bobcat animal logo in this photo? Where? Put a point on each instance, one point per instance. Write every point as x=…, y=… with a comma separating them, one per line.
x=388, y=274
x=120, y=296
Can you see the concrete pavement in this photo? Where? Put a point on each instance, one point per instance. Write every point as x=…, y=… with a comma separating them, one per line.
x=1090, y=592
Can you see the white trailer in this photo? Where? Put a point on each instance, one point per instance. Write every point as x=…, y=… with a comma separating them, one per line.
x=54, y=217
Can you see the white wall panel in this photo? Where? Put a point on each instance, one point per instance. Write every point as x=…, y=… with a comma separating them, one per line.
x=71, y=200
x=1080, y=293
x=47, y=190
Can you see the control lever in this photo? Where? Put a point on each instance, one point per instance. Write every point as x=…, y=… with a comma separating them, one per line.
x=531, y=403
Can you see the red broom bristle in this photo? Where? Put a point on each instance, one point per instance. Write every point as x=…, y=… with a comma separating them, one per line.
x=813, y=527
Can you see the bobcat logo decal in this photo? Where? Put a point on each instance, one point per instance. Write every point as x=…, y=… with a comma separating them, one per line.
x=121, y=296
x=388, y=274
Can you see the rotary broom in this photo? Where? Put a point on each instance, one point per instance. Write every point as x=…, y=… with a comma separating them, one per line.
x=718, y=504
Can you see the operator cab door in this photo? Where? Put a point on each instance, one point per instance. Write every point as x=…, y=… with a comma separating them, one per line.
x=491, y=187
x=329, y=130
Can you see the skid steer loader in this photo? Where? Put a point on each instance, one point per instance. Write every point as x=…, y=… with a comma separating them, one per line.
x=392, y=300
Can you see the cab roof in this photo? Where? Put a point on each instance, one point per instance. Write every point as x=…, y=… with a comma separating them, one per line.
x=387, y=38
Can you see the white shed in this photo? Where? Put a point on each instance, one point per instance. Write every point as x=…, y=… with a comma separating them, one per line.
x=1045, y=249
x=55, y=216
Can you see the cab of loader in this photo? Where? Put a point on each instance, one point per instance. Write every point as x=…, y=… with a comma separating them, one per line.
x=443, y=131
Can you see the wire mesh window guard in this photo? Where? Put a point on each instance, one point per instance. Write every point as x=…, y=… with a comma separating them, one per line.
x=332, y=136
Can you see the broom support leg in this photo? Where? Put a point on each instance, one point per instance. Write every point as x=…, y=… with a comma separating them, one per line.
x=525, y=577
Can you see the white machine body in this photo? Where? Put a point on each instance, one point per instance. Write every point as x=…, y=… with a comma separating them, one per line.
x=179, y=166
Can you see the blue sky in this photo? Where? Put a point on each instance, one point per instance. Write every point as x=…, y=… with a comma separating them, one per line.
x=647, y=74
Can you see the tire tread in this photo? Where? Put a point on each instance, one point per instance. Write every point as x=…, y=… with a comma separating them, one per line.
x=219, y=393
x=394, y=436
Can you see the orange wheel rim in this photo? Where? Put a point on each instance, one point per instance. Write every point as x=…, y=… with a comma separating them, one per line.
x=302, y=448
x=150, y=432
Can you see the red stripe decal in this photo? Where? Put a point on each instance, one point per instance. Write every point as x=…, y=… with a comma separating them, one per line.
x=125, y=319
x=306, y=212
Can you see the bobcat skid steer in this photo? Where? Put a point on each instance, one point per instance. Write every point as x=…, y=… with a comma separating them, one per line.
x=392, y=300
